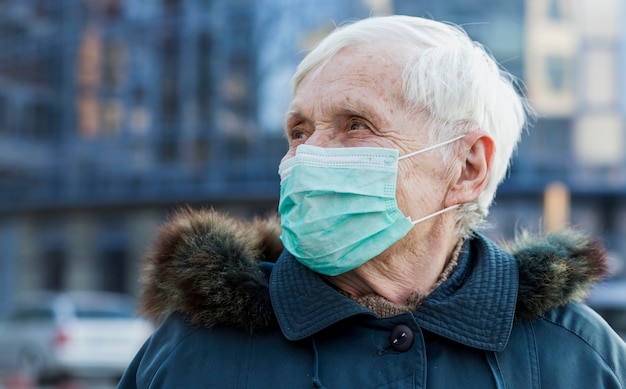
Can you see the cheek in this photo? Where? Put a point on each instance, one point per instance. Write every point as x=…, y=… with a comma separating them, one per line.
x=417, y=192
x=408, y=190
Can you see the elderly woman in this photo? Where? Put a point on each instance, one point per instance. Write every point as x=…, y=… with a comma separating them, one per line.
x=400, y=130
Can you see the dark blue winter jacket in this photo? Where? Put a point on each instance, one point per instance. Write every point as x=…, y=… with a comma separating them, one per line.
x=499, y=321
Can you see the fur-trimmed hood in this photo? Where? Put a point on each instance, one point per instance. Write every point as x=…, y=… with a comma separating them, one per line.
x=207, y=266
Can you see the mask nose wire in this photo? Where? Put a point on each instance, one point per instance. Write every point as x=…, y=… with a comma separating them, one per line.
x=431, y=147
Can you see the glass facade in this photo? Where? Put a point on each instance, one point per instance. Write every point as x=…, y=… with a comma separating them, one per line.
x=103, y=105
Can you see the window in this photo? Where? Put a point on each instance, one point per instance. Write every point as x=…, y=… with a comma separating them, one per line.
x=548, y=145
x=600, y=71
x=105, y=308
x=88, y=79
x=205, y=84
x=45, y=121
x=556, y=70
x=53, y=257
x=170, y=78
x=555, y=12
x=599, y=139
x=29, y=315
x=113, y=255
x=171, y=5
x=3, y=114
x=114, y=63
x=112, y=113
x=55, y=263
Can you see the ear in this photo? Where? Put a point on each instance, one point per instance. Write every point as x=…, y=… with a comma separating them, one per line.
x=471, y=175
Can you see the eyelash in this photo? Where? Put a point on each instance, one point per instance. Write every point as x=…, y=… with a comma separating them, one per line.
x=358, y=123
x=297, y=133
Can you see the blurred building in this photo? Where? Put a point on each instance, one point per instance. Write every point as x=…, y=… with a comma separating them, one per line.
x=576, y=56
x=115, y=112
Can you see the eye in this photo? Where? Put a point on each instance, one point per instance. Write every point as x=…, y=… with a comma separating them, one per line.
x=297, y=135
x=357, y=125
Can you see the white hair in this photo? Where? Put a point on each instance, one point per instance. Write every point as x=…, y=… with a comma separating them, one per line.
x=450, y=80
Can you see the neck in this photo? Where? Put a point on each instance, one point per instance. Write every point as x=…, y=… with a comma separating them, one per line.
x=398, y=273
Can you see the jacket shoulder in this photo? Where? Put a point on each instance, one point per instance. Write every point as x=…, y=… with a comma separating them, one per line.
x=178, y=350
x=575, y=335
x=566, y=347
x=579, y=321
x=180, y=354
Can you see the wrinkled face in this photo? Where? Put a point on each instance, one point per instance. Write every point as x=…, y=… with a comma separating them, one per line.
x=355, y=100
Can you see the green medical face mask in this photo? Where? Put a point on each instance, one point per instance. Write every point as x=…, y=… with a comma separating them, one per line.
x=338, y=205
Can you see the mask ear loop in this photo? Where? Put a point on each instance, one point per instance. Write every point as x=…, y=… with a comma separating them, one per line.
x=434, y=214
x=423, y=151
x=431, y=147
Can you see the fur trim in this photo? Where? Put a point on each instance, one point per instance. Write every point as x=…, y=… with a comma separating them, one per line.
x=555, y=269
x=206, y=266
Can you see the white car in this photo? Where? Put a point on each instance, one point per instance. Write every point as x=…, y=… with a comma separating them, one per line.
x=75, y=334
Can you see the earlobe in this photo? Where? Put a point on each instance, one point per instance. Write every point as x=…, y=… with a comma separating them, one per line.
x=473, y=172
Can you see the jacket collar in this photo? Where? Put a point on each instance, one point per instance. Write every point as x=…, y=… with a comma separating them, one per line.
x=304, y=303
x=208, y=266
x=475, y=306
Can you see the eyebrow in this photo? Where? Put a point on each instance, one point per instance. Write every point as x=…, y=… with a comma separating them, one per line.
x=367, y=112
x=295, y=115
x=347, y=110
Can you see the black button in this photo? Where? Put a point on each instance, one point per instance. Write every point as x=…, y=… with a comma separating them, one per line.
x=401, y=338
